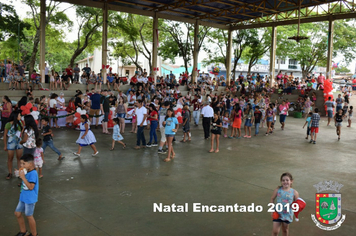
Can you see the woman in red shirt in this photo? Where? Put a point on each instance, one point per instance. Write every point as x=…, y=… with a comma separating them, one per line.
x=153, y=118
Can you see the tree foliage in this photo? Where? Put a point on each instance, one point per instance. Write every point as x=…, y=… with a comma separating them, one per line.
x=177, y=40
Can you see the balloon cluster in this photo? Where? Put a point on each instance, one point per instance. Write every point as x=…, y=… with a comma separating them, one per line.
x=328, y=87
x=77, y=115
x=335, y=65
x=28, y=109
x=110, y=122
x=178, y=113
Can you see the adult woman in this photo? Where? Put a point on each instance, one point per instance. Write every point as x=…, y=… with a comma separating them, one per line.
x=153, y=118
x=70, y=109
x=29, y=135
x=5, y=111
x=58, y=81
x=12, y=144
x=121, y=111
x=61, y=102
x=170, y=124
x=236, y=119
x=283, y=110
x=53, y=109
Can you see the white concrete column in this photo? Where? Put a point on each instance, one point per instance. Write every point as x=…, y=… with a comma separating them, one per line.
x=273, y=55
x=104, y=41
x=42, y=39
x=154, y=47
x=228, y=57
x=195, y=51
x=330, y=49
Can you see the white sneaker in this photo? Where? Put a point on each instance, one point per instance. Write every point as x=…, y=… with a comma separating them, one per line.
x=95, y=154
x=76, y=154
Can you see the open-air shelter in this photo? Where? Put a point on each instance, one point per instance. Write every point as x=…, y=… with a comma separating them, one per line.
x=228, y=15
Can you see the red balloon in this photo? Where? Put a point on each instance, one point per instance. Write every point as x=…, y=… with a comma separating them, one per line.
x=29, y=105
x=103, y=66
x=107, y=66
x=76, y=122
x=34, y=108
x=77, y=114
x=180, y=119
x=275, y=215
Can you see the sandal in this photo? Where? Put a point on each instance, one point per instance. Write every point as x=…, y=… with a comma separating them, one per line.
x=21, y=234
x=182, y=141
x=9, y=176
x=124, y=146
x=60, y=158
x=111, y=149
x=167, y=160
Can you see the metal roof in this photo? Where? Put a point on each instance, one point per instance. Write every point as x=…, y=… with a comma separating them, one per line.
x=216, y=13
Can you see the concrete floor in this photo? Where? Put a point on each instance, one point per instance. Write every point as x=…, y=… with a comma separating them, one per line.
x=113, y=193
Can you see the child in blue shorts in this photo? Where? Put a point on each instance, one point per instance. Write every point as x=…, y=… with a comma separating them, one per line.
x=28, y=195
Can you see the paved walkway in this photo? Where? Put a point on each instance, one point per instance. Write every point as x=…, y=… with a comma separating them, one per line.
x=114, y=193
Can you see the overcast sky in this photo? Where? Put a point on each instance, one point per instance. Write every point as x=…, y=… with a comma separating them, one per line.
x=23, y=9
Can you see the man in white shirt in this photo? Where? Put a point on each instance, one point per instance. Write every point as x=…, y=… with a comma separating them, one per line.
x=46, y=74
x=208, y=113
x=141, y=116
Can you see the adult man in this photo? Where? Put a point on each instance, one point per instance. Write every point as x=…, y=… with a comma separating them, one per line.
x=105, y=109
x=321, y=80
x=69, y=71
x=65, y=81
x=46, y=74
x=109, y=80
x=339, y=101
x=162, y=116
x=141, y=117
x=76, y=71
x=196, y=109
x=22, y=69
x=207, y=112
x=95, y=107
x=329, y=109
x=87, y=69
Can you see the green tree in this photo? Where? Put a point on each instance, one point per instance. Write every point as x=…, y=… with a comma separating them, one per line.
x=131, y=36
x=89, y=20
x=54, y=17
x=241, y=39
x=342, y=69
x=259, y=44
x=313, y=51
x=177, y=40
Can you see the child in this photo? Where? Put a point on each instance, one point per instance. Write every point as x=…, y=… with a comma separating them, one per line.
x=308, y=122
x=236, y=120
x=38, y=156
x=116, y=136
x=314, y=126
x=28, y=195
x=257, y=118
x=225, y=123
x=350, y=115
x=132, y=113
x=285, y=195
x=338, y=118
x=47, y=138
x=215, y=132
x=171, y=125
x=12, y=81
x=86, y=137
x=269, y=118
x=186, y=125
x=248, y=123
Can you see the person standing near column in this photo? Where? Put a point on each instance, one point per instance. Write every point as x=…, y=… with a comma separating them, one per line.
x=141, y=117
x=196, y=109
x=46, y=74
x=105, y=110
x=207, y=112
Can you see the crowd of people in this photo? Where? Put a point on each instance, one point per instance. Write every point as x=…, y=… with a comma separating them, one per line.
x=244, y=103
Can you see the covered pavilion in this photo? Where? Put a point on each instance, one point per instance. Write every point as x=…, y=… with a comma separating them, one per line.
x=228, y=15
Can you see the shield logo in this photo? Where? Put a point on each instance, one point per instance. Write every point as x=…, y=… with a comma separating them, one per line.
x=328, y=208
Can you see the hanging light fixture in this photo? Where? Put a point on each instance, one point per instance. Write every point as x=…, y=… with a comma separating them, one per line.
x=298, y=37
